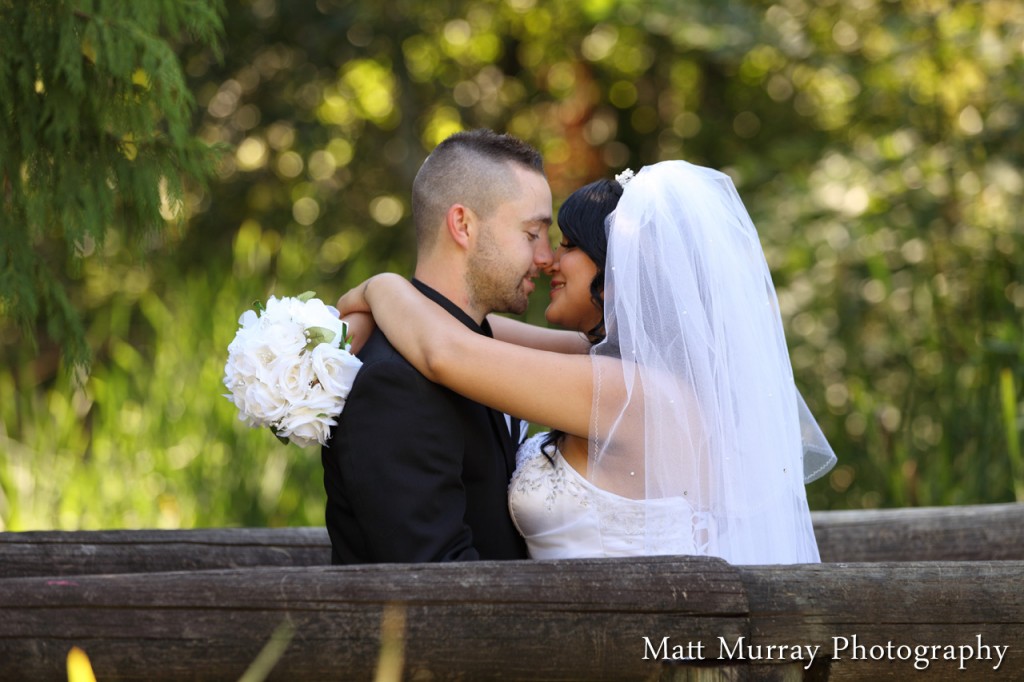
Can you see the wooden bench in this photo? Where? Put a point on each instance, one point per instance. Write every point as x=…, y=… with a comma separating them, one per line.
x=978, y=533
x=163, y=611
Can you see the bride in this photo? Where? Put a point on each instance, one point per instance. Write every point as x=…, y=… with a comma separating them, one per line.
x=681, y=430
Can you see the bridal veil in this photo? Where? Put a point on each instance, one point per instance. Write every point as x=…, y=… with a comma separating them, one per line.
x=694, y=396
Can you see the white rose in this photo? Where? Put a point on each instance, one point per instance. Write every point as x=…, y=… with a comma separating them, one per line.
x=305, y=426
x=278, y=307
x=247, y=334
x=242, y=366
x=315, y=314
x=292, y=376
x=335, y=369
x=262, y=404
x=248, y=321
x=283, y=338
x=241, y=370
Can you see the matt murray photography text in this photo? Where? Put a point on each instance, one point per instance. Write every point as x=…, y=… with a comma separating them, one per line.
x=849, y=648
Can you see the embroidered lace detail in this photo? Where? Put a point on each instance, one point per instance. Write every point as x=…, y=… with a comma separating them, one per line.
x=563, y=515
x=536, y=476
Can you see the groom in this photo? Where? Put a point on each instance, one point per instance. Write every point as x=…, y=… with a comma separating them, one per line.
x=415, y=472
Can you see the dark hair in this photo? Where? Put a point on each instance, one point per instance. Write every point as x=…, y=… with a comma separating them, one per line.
x=582, y=221
x=494, y=146
x=467, y=167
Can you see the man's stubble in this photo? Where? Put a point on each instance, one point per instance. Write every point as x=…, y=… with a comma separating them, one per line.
x=494, y=284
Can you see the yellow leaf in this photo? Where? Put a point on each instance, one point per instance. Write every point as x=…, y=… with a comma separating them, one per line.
x=88, y=51
x=128, y=147
x=79, y=668
x=141, y=78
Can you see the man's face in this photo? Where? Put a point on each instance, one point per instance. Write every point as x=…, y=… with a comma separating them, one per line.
x=511, y=246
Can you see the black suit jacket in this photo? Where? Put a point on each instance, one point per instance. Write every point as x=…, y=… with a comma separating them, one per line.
x=415, y=472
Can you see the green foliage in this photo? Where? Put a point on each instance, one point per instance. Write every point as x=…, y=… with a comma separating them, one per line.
x=148, y=440
x=877, y=145
x=94, y=136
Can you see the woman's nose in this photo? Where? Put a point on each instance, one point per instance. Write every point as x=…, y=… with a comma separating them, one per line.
x=552, y=265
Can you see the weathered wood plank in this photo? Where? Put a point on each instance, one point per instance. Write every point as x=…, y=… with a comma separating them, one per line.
x=976, y=533
x=139, y=551
x=549, y=620
x=842, y=606
x=989, y=532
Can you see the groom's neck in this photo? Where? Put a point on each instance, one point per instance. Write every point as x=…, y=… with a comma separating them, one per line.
x=450, y=282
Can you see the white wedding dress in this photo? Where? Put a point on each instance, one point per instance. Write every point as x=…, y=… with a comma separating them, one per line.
x=562, y=515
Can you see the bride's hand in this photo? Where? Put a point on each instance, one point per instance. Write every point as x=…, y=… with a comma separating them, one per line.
x=354, y=300
x=355, y=310
x=360, y=327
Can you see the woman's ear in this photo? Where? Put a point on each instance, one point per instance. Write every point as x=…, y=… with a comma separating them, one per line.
x=460, y=221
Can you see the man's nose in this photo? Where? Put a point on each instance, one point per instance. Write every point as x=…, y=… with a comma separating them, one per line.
x=551, y=267
x=543, y=257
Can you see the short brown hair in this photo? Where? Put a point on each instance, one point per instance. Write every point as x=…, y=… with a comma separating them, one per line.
x=472, y=168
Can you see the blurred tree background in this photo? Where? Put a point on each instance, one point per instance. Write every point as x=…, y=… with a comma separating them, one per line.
x=878, y=146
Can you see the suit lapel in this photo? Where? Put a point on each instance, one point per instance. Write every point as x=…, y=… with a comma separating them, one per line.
x=509, y=444
x=509, y=441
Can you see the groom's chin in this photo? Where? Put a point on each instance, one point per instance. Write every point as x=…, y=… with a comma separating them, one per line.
x=520, y=304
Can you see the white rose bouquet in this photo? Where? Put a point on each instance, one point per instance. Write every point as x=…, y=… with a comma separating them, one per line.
x=289, y=368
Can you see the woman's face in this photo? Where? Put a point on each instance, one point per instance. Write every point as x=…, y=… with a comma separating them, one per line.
x=571, y=307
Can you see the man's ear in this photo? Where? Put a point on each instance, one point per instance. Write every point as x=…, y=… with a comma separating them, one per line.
x=460, y=221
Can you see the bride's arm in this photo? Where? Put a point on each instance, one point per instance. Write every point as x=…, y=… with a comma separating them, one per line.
x=361, y=326
x=540, y=386
x=541, y=338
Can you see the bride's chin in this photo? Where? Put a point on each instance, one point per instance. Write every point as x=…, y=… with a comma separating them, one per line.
x=552, y=317
x=556, y=321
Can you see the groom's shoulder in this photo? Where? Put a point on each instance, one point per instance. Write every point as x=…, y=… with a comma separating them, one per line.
x=387, y=381
x=380, y=357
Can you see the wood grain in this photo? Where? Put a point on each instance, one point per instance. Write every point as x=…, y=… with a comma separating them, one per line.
x=969, y=533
